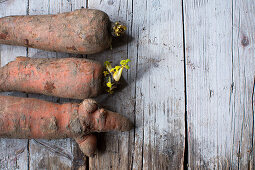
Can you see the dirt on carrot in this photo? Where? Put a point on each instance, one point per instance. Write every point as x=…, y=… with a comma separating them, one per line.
x=83, y=31
x=74, y=78
x=28, y=118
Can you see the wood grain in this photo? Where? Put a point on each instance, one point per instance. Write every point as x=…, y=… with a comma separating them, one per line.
x=154, y=97
x=219, y=41
x=243, y=76
x=160, y=106
x=115, y=149
x=219, y=55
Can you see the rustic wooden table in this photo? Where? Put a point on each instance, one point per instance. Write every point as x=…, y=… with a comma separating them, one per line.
x=190, y=88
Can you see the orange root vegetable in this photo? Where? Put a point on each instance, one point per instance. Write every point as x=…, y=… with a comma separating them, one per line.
x=83, y=31
x=74, y=78
x=27, y=118
x=87, y=144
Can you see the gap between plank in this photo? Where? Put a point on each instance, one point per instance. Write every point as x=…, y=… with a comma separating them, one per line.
x=28, y=141
x=131, y=33
x=86, y=56
x=186, y=143
x=28, y=155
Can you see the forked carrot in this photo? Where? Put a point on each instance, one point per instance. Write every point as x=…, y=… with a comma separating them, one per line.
x=28, y=118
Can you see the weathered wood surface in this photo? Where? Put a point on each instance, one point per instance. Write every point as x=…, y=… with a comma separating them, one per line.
x=153, y=99
x=217, y=45
x=38, y=154
x=220, y=51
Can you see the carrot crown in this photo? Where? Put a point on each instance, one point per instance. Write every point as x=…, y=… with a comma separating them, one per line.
x=118, y=29
x=113, y=75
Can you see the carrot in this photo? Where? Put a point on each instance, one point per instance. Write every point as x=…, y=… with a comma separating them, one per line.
x=75, y=78
x=83, y=31
x=87, y=144
x=28, y=118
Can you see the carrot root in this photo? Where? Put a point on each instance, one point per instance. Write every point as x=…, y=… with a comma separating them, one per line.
x=28, y=118
x=83, y=31
x=87, y=144
x=74, y=78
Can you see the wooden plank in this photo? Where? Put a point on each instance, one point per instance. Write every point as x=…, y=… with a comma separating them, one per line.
x=53, y=154
x=243, y=74
x=219, y=50
x=160, y=103
x=208, y=41
x=13, y=152
x=77, y=4
x=154, y=97
x=115, y=149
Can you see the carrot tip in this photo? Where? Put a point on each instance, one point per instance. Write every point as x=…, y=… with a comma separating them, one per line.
x=115, y=121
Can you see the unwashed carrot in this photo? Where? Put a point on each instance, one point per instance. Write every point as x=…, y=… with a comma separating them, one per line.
x=75, y=78
x=28, y=118
x=83, y=31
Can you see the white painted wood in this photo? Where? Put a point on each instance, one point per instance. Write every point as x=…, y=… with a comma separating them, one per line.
x=160, y=103
x=154, y=97
x=208, y=38
x=77, y=4
x=13, y=152
x=220, y=82
x=243, y=75
x=219, y=41
x=115, y=149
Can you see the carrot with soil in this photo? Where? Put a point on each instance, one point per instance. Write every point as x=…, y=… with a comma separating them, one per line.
x=83, y=31
x=65, y=77
x=74, y=78
x=27, y=118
